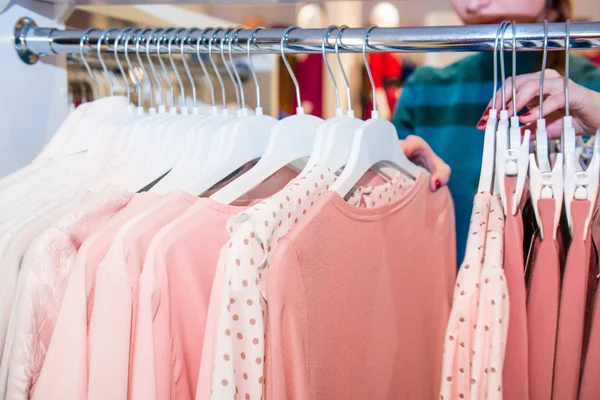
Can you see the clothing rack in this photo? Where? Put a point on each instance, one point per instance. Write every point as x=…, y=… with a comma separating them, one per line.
x=35, y=41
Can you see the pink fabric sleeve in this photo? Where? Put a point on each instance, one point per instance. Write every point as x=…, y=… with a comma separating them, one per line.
x=203, y=390
x=542, y=307
x=143, y=382
x=103, y=366
x=515, y=380
x=287, y=374
x=590, y=384
x=572, y=308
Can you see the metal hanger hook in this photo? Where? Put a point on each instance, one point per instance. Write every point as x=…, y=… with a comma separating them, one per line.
x=119, y=37
x=514, y=68
x=187, y=38
x=283, y=42
x=324, y=39
x=567, y=65
x=84, y=38
x=203, y=66
x=138, y=86
x=338, y=39
x=214, y=65
x=175, y=36
x=252, y=37
x=542, y=75
x=367, y=67
x=106, y=34
x=152, y=67
x=160, y=39
x=498, y=33
x=225, y=37
x=234, y=36
x=502, y=65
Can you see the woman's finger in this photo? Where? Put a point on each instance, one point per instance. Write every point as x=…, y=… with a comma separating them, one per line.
x=520, y=81
x=531, y=91
x=418, y=151
x=551, y=104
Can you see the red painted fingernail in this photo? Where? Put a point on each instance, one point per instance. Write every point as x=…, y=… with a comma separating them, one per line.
x=438, y=183
x=481, y=124
x=527, y=114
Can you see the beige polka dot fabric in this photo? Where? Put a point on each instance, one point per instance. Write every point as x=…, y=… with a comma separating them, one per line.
x=478, y=325
x=492, y=314
x=240, y=350
x=460, y=333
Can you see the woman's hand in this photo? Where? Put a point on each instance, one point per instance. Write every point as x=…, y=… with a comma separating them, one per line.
x=584, y=104
x=418, y=151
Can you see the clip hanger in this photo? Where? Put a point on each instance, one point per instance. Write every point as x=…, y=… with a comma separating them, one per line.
x=545, y=183
x=512, y=152
x=578, y=184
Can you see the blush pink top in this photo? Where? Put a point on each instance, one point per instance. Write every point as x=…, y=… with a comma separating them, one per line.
x=542, y=306
x=459, y=340
x=357, y=303
x=515, y=375
x=175, y=289
x=590, y=384
x=42, y=282
x=115, y=302
x=64, y=375
x=573, y=300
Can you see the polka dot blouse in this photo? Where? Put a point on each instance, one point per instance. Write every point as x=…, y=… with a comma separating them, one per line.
x=477, y=327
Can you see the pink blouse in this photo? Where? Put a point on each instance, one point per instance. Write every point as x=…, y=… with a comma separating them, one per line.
x=542, y=306
x=492, y=323
x=341, y=292
x=115, y=301
x=573, y=299
x=64, y=375
x=459, y=340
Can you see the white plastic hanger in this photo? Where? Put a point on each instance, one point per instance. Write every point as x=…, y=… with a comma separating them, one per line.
x=579, y=184
x=503, y=126
x=79, y=142
x=138, y=136
x=140, y=131
x=186, y=169
x=153, y=136
x=94, y=144
x=488, y=160
x=59, y=143
x=110, y=132
x=129, y=132
x=291, y=139
x=207, y=131
x=243, y=140
x=218, y=144
x=545, y=183
x=168, y=143
x=512, y=157
x=110, y=141
x=336, y=138
x=321, y=135
x=376, y=141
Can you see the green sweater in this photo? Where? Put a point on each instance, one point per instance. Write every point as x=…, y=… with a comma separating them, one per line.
x=444, y=105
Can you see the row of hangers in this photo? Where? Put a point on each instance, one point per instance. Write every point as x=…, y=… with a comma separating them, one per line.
x=193, y=150
x=507, y=153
